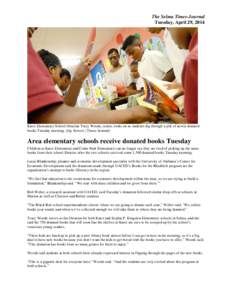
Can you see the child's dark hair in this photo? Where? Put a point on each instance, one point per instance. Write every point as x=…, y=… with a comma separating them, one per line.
x=65, y=72
x=134, y=63
x=49, y=59
x=130, y=40
x=112, y=50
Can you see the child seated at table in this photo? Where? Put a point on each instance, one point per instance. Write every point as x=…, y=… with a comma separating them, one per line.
x=135, y=76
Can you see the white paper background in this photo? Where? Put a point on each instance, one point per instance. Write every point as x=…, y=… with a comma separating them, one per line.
x=210, y=280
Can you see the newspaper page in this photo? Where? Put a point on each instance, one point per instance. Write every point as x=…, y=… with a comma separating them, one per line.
x=119, y=188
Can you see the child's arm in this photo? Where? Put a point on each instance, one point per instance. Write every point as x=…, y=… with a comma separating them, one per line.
x=81, y=73
x=167, y=111
x=64, y=114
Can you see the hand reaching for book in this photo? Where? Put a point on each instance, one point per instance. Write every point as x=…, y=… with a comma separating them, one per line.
x=176, y=86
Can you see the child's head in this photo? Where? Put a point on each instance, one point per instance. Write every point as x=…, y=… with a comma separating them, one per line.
x=134, y=69
x=182, y=36
x=65, y=79
x=113, y=56
x=53, y=64
x=155, y=30
x=133, y=47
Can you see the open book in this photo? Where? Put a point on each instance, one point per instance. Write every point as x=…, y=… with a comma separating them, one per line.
x=153, y=86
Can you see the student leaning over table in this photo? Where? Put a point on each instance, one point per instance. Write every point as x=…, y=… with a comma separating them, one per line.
x=150, y=62
x=176, y=55
x=177, y=58
x=53, y=65
x=45, y=105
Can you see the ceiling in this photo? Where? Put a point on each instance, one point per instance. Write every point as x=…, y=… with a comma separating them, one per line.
x=70, y=43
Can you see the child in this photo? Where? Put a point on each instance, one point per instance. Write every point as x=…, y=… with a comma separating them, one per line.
x=65, y=80
x=151, y=62
x=186, y=38
x=53, y=64
x=136, y=78
x=54, y=67
x=176, y=56
x=45, y=105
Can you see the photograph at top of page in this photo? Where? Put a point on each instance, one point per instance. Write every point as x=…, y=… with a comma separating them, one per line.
x=112, y=75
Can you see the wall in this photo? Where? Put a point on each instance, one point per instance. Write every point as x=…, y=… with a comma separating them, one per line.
x=144, y=35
